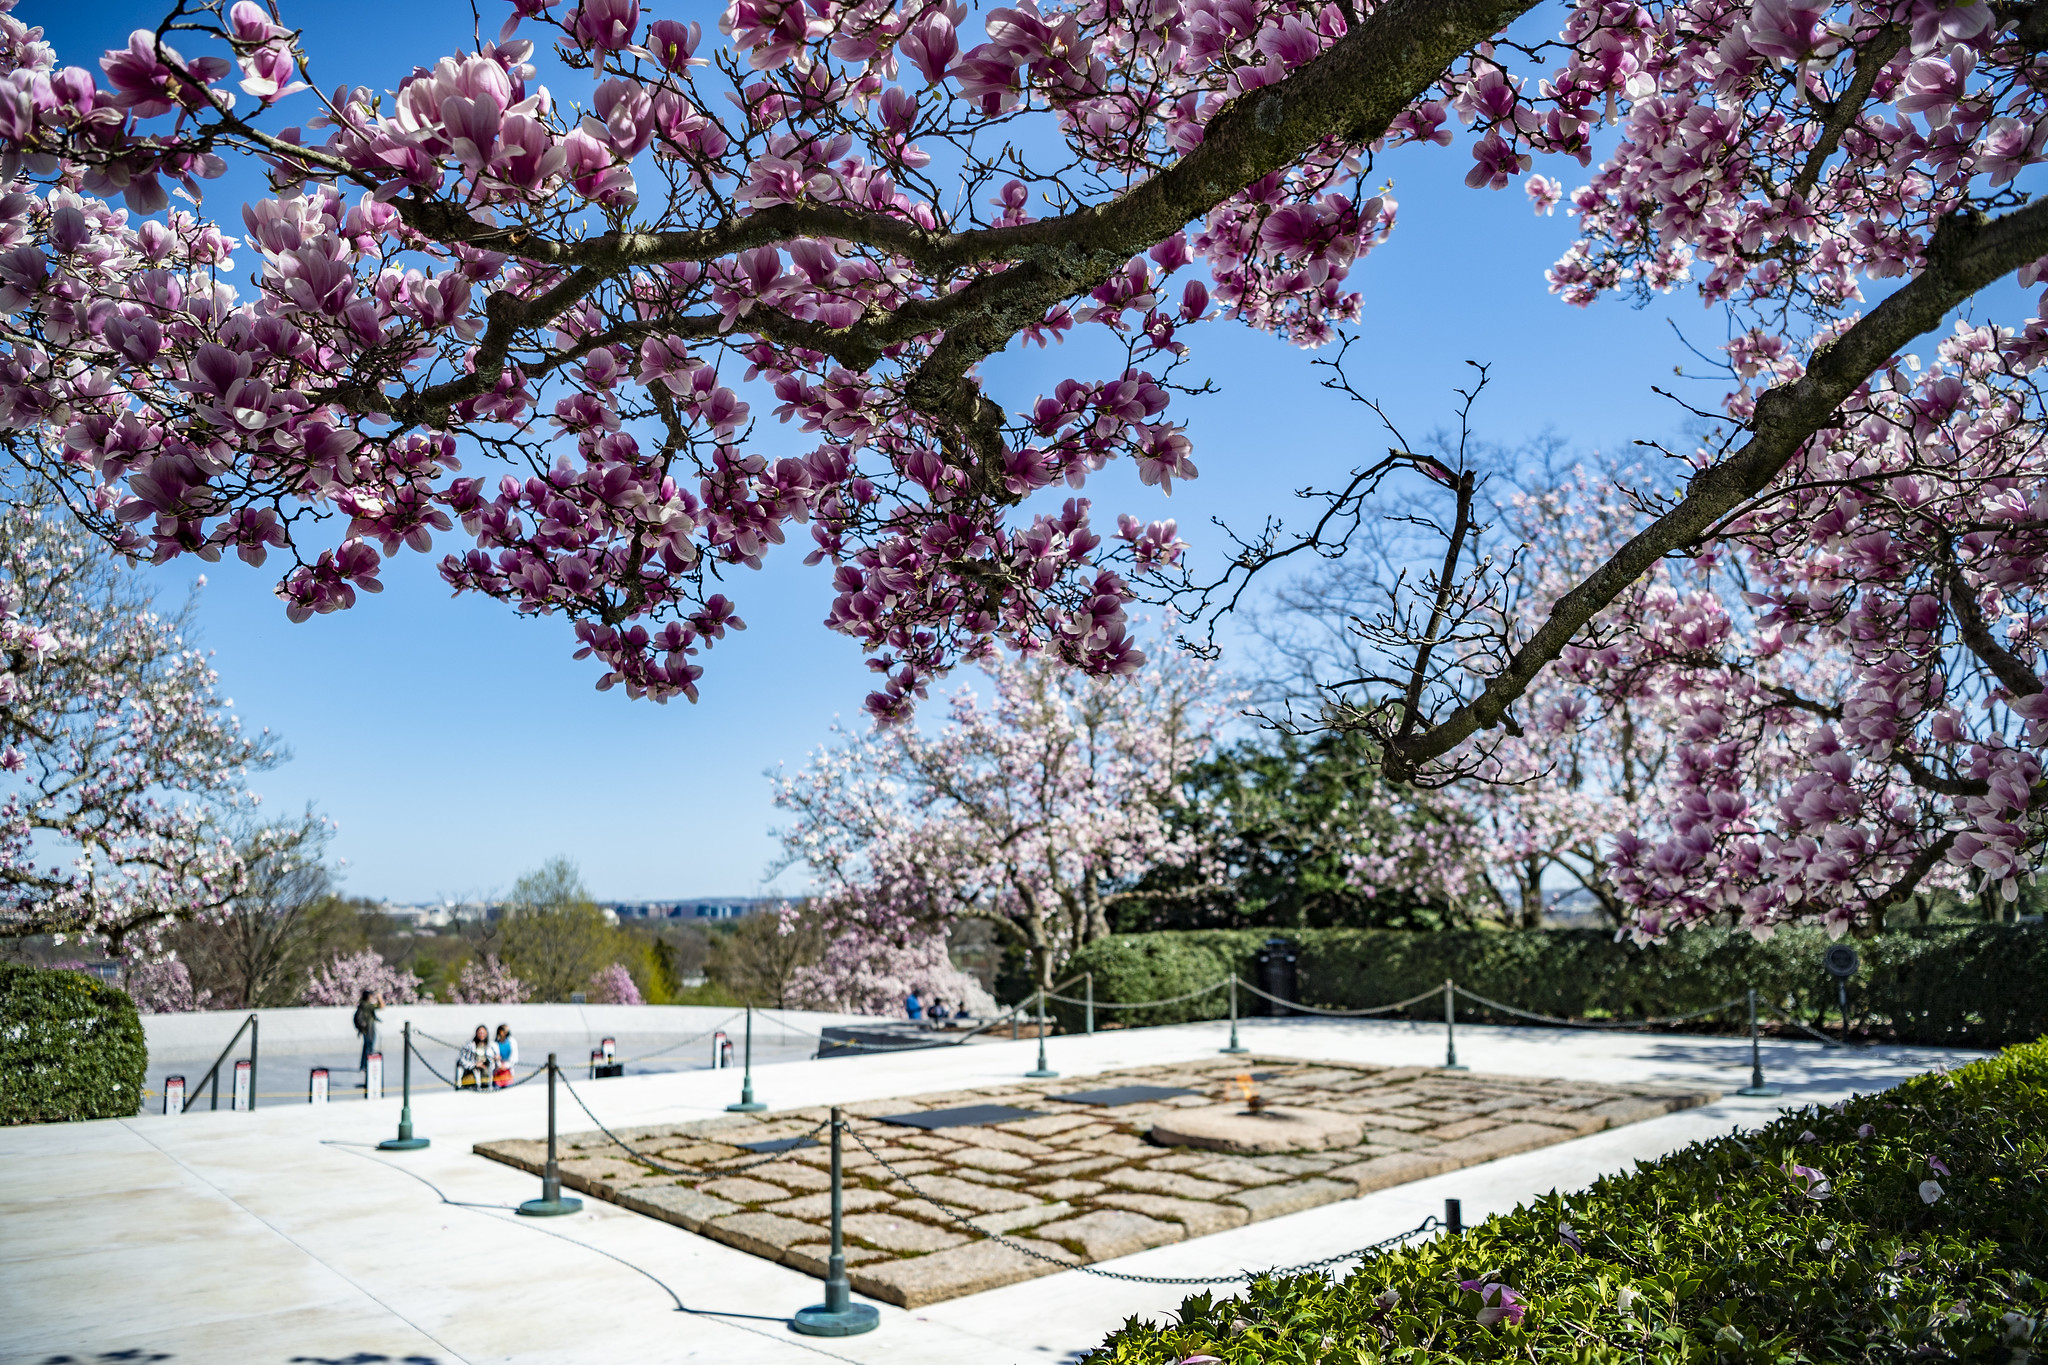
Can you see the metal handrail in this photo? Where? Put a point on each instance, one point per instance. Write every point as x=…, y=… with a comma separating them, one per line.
x=212, y=1076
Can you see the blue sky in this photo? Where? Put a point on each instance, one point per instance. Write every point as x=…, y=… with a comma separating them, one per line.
x=457, y=745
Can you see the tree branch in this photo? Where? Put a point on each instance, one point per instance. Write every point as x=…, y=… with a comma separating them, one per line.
x=1965, y=255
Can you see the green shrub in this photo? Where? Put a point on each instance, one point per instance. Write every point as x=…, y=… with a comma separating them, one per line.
x=1965, y=985
x=70, y=1048
x=1721, y=1252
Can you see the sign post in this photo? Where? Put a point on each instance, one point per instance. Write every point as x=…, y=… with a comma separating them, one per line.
x=373, y=1077
x=245, y=1097
x=174, y=1094
x=316, y=1086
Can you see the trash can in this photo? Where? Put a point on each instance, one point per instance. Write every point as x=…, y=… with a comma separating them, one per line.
x=1279, y=974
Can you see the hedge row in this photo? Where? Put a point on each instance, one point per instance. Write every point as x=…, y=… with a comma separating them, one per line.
x=1906, y=1225
x=1965, y=985
x=71, y=1047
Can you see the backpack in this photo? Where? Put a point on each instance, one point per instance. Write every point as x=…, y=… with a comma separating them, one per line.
x=364, y=1016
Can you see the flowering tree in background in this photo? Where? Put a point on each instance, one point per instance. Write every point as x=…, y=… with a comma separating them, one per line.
x=470, y=304
x=344, y=979
x=118, y=761
x=862, y=973
x=613, y=985
x=1591, y=743
x=1035, y=810
x=164, y=988
x=488, y=982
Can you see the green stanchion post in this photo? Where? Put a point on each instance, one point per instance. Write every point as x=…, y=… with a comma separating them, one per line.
x=1234, y=1047
x=748, y=1104
x=838, y=1315
x=1041, y=1072
x=551, y=1203
x=405, y=1141
x=1756, y=1087
x=1451, y=1028
x=1089, y=1025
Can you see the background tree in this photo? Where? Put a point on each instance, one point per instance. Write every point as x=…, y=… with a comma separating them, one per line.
x=120, y=767
x=551, y=935
x=256, y=953
x=758, y=958
x=863, y=203
x=1284, y=821
x=1037, y=811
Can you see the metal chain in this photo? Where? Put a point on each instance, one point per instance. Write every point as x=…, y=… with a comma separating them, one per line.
x=1342, y=1014
x=1599, y=1023
x=1140, y=1004
x=457, y=1085
x=1831, y=1042
x=1242, y=1277
x=665, y=1168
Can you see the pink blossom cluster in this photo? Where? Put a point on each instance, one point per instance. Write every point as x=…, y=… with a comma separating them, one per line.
x=1856, y=686
x=120, y=765
x=164, y=988
x=346, y=976
x=487, y=981
x=613, y=985
x=1035, y=810
x=864, y=974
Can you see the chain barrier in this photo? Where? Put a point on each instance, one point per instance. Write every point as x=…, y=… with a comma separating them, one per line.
x=1429, y=1224
x=1812, y=1032
x=538, y=1067
x=1141, y=1004
x=712, y=1168
x=1433, y=993
x=1597, y=1023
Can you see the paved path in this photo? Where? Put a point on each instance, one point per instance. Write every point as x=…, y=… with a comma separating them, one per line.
x=283, y=1236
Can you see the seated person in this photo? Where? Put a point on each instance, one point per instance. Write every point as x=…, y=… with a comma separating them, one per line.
x=507, y=1050
x=478, y=1060
x=940, y=1014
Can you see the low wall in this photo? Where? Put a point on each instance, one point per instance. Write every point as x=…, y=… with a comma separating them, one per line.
x=328, y=1028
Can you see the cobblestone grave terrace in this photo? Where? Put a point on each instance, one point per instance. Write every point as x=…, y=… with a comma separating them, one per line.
x=1077, y=1183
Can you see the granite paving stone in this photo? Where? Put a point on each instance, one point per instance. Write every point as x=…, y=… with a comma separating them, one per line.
x=1106, y=1234
x=892, y=1232
x=1074, y=1186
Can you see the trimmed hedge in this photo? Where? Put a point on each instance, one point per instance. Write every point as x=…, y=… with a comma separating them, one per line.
x=71, y=1047
x=1831, y=1235
x=1963, y=985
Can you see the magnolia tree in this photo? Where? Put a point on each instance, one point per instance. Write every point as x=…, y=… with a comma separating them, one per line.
x=865, y=973
x=347, y=975
x=1541, y=805
x=119, y=764
x=470, y=303
x=1035, y=810
x=488, y=982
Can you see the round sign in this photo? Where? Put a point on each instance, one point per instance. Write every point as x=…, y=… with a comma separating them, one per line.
x=1840, y=961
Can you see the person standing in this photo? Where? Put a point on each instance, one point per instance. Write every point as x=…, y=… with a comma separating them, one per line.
x=366, y=1025
x=913, y=1006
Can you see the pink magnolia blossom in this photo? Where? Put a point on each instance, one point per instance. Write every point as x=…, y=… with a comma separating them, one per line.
x=347, y=975
x=613, y=985
x=1036, y=810
x=164, y=988
x=488, y=982
x=120, y=766
x=540, y=336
